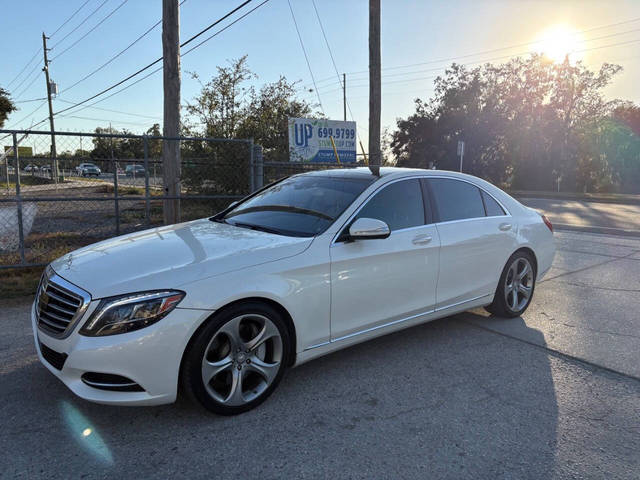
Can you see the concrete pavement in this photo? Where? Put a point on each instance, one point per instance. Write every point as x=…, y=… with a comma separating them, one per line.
x=589, y=216
x=468, y=396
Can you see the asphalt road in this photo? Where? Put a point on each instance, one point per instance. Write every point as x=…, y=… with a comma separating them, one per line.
x=554, y=394
x=611, y=218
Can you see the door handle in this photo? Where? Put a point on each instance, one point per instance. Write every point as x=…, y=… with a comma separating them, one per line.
x=422, y=239
x=505, y=226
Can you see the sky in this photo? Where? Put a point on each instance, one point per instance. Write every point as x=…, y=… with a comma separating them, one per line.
x=418, y=40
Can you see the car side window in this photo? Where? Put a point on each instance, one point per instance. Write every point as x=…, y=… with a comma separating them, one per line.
x=492, y=208
x=399, y=204
x=456, y=200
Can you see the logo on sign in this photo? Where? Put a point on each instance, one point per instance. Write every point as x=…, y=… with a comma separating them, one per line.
x=302, y=134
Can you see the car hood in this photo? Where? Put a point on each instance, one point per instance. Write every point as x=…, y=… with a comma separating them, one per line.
x=168, y=257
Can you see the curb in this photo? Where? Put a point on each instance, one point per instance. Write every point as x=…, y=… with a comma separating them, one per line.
x=595, y=229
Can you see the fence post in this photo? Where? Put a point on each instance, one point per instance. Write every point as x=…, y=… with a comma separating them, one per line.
x=6, y=166
x=115, y=194
x=147, y=207
x=18, y=198
x=252, y=175
x=258, y=162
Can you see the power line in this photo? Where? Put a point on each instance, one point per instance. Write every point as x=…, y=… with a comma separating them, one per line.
x=160, y=68
x=28, y=116
x=160, y=59
x=35, y=55
x=502, y=57
x=333, y=61
x=28, y=101
x=22, y=92
x=70, y=17
x=484, y=52
x=28, y=76
x=89, y=75
x=80, y=24
x=306, y=57
x=214, y=24
x=117, y=111
x=107, y=120
x=91, y=30
x=326, y=92
x=224, y=28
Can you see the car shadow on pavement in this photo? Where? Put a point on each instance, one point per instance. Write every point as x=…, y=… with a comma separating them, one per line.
x=444, y=399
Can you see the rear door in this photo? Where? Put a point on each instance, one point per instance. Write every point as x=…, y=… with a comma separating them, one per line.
x=374, y=282
x=476, y=238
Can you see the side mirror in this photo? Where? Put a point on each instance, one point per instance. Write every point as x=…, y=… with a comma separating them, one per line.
x=368, y=228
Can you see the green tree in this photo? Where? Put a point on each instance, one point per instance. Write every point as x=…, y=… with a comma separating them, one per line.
x=230, y=107
x=6, y=106
x=525, y=122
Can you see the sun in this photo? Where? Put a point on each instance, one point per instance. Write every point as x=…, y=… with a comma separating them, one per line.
x=558, y=41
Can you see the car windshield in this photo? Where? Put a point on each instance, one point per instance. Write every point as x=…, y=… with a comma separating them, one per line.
x=300, y=206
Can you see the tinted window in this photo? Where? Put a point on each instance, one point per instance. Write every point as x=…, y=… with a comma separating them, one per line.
x=399, y=205
x=304, y=205
x=492, y=207
x=456, y=200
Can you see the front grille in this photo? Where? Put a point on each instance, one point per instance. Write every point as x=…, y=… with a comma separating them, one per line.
x=56, y=359
x=59, y=304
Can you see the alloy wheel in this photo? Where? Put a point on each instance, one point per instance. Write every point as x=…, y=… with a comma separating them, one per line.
x=242, y=359
x=518, y=284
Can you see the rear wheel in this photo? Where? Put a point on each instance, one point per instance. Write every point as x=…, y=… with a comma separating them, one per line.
x=515, y=288
x=238, y=359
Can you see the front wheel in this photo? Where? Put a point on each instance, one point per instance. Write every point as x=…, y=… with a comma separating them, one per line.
x=237, y=359
x=515, y=288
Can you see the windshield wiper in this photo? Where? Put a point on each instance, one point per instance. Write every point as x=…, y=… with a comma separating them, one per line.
x=282, y=208
x=252, y=226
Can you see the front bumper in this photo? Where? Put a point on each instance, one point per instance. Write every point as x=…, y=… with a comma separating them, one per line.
x=150, y=357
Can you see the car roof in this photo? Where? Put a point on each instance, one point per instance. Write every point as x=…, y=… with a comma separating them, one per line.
x=385, y=172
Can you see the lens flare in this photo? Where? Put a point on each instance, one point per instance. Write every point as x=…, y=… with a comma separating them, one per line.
x=558, y=42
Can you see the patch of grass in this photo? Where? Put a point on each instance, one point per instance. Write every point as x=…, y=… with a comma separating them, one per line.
x=40, y=248
x=25, y=181
x=19, y=282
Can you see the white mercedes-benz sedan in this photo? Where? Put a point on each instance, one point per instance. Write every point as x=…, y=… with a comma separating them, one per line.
x=313, y=263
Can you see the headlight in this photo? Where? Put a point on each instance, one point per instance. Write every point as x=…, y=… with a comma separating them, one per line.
x=130, y=312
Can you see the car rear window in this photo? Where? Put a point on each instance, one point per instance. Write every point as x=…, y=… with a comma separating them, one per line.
x=456, y=200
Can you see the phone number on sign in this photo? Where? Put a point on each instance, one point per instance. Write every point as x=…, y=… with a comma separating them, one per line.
x=347, y=133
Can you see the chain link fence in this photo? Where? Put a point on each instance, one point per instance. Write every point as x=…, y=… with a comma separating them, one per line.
x=111, y=184
x=106, y=185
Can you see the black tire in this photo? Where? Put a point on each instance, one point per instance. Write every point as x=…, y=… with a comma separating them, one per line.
x=501, y=306
x=191, y=373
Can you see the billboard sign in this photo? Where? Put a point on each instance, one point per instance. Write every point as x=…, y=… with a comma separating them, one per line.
x=22, y=151
x=310, y=140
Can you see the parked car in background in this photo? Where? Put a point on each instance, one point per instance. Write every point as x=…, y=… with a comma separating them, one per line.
x=315, y=262
x=31, y=168
x=134, y=171
x=87, y=169
x=45, y=169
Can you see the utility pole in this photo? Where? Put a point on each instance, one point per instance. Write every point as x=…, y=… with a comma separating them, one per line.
x=171, y=127
x=54, y=158
x=344, y=95
x=374, y=86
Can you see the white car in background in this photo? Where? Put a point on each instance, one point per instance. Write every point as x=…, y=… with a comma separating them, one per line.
x=309, y=265
x=87, y=169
